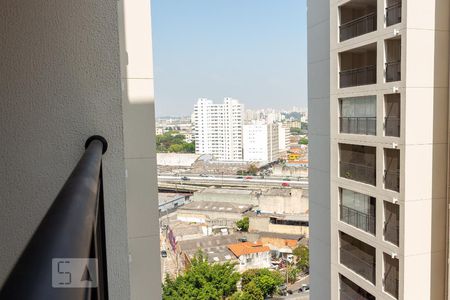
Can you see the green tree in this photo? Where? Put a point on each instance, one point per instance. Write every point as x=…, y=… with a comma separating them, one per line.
x=293, y=274
x=266, y=281
x=203, y=281
x=295, y=130
x=243, y=224
x=303, y=141
x=302, y=253
x=172, y=141
x=249, y=292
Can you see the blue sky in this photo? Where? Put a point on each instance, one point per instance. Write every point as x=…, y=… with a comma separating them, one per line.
x=251, y=50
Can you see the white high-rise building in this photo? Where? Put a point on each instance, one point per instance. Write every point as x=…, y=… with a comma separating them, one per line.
x=261, y=142
x=284, y=137
x=218, y=128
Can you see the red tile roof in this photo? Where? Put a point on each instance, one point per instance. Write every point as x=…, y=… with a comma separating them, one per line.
x=247, y=248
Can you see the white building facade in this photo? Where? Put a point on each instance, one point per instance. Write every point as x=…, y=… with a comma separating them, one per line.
x=378, y=178
x=218, y=129
x=261, y=142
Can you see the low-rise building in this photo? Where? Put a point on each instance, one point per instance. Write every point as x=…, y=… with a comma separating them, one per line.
x=251, y=255
x=170, y=201
x=211, y=212
x=297, y=224
x=245, y=196
x=283, y=201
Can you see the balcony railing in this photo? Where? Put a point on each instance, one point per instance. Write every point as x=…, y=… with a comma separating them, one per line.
x=354, y=295
x=392, y=180
x=392, y=126
x=73, y=227
x=391, y=285
x=394, y=14
x=358, y=264
x=393, y=71
x=358, y=219
x=357, y=27
x=392, y=233
x=358, y=76
x=358, y=172
x=358, y=125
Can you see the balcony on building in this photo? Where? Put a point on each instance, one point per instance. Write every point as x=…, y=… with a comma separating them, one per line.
x=392, y=115
x=357, y=256
x=393, y=51
x=358, y=115
x=357, y=18
x=392, y=169
x=351, y=291
x=358, y=66
x=391, y=229
x=391, y=275
x=358, y=210
x=393, y=12
x=358, y=163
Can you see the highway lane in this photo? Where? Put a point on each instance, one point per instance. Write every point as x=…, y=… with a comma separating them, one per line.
x=227, y=180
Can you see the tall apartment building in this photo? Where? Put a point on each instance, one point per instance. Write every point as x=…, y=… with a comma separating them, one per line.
x=284, y=137
x=260, y=142
x=378, y=106
x=218, y=129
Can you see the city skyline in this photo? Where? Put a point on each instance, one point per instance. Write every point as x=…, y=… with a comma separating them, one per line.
x=240, y=54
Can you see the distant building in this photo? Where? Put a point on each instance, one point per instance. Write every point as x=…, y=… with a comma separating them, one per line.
x=245, y=196
x=297, y=224
x=251, y=255
x=218, y=129
x=284, y=137
x=170, y=201
x=211, y=212
x=261, y=142
x=283, y=201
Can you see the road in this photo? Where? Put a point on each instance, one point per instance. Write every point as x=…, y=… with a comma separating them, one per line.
x=229, y=180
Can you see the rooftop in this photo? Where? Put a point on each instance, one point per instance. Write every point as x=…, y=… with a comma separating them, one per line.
x=217, y=206
x=226, y=191
x=247, y=248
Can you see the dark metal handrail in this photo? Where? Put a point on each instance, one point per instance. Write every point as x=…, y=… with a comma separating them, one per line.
x=391, y=233
x=392, y=126
x=358, y=125
x=358, y=219
x=359, y=76
x=394, y=13
x=358, y=264
x=391, y=285
x=73, y=227
x=358, y=26
x=392, y=180
x=393, y=71
x=358, y=172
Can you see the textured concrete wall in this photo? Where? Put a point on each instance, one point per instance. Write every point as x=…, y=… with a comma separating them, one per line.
x=59, y=84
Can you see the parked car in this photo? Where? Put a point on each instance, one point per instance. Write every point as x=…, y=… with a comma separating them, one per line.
x=303, y=288
x=163, y=253
x=240, y=177
x=286, y=179
x=185, y=178
x=204, y=175
x=285, y=184
x=248, y=177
